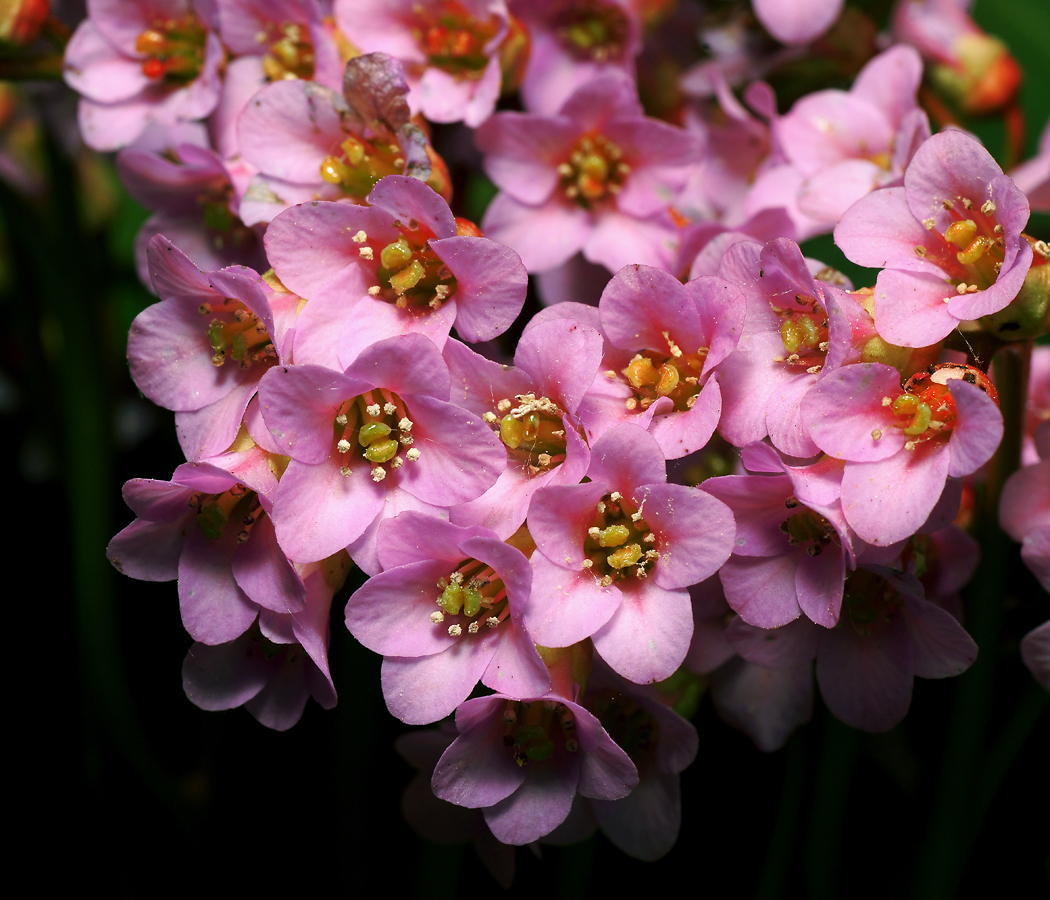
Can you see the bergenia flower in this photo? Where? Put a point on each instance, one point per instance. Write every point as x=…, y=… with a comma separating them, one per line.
x=949, y=241
x=598, y=176
x=797, y=21
x=202, y=350
x=288, y=38
x=449, y=50
x=278, y=664
x=403, y=264
x=847, y=144
x=791, y=341
x=446, y=611
x=661, y=744
x=671, y=340
x=616, y=555
x=137, y=62
x=866, y=665
x=211, y=528
x=367, y=441
x=193, y=199
x=533, y=407
x=308, y=142
x=523, y=762
x=573, y=42
x=793, y=547
x=901, y=445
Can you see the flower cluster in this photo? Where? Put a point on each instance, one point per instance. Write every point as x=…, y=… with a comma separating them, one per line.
x=708, y=459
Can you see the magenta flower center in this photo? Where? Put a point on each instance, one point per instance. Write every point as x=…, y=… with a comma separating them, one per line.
x=473, y=598
x=238, y=507
x=619, y=544
x=528, y=728
x=594, y=171
x=592, y=30
x=374, y=427
x=173, y=50
x=453, y=40
x=290, y=53
x=236, y=333
x=972, y=247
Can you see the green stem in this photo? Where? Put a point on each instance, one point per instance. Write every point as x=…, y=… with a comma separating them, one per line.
x=956, y=808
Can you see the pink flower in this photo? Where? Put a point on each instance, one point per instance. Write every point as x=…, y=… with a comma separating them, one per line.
x=672, y=339
x=277, y=665
x=597, y=177
x=792, y=545
x=443, y=623
x=572, y=42
x=949, y=241
x=866, y=665
x=210, y=528
x=448, y=47
x=523, y=762
x=202, y=350
x=616, y=555
x=369, y=442
x=797, y=21
x=140, y=61
x=900, y=445
x=847, y=144
x=400, y=265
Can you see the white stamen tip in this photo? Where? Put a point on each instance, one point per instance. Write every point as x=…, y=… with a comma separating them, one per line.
x=378, y=474
x=437, y=617
x=373, y=410
x=412, y=455
x=455, y=630
x=359, y=238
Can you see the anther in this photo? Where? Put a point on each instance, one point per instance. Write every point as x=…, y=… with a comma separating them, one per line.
x=378, y=474
x=359, y=238
x=492, y=621
x=455, y=630
x=437, y=617
x=412, y=455
x=366, y=253
x=473, y=627
x=373, y=410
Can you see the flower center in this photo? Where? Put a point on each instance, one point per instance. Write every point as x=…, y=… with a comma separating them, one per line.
x=215, y=512
x=378, y=426
x=804, y=332
x=592, y=30
x=806, y=528
x=173, y=50
x=972, y=246
x=452, y=39
x=527, y=729
x=620, y=542
x=236, y=333
x=634, y=730
x=675, y=374
x=409, y=274
x=358, y=164
x=290, y=53
x=533, y=432
x=473, y=597
x=594, y=171
x=870, y=602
